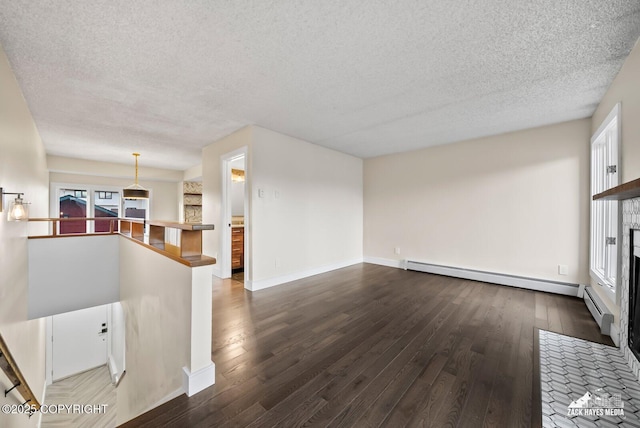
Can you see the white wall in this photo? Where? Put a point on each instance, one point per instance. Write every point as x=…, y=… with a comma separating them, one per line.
x=516, y=203
x=212, y=186
x=237, y=190
x=237, y=198
x=155, y=292
x=117, y=342
x=23, y=168
x=71, y=273
x=310, y=215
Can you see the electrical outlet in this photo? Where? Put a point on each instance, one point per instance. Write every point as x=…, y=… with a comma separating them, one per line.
x=396, y=250
x=563, y=270
x=261, y=193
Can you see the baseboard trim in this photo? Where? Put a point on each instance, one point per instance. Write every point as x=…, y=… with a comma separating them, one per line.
x=614, y=333
x=564, y=288
x=272, y=282
x=195, y=382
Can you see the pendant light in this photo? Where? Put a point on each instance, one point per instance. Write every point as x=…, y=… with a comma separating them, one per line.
x=135, y=191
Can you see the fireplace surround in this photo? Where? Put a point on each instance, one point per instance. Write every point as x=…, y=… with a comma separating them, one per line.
x=633, y=328
x=630, y=275
x=629, y=194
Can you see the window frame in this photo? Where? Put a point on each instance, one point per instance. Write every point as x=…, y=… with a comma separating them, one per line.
x=91, y=190
x=604, y=222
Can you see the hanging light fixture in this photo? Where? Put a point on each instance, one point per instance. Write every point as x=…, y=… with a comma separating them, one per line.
x=135, y=191
x=19, y=209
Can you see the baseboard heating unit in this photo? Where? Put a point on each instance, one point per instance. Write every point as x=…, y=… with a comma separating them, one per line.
x=565, y=288
x=598, y=310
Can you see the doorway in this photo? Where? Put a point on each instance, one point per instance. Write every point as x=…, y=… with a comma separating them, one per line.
x=82, y=340
x=79, y=341
x=234, y=242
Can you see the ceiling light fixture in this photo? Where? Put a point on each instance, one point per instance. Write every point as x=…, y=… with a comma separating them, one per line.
x=135, y=191
x=19, y=208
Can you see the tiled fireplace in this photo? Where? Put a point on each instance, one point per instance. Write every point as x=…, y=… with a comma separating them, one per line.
x=630, y=223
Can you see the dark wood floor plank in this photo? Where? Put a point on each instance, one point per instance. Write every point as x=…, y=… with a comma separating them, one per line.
x=342, y=372
x=407, y=404
x=373, y=346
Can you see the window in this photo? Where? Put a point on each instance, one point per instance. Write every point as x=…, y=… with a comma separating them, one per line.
x=78, y=200
x=605, y=170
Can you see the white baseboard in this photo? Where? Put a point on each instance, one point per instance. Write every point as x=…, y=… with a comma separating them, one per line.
x=564, y=288
x=272, y=282
x=614, y=332
x=581, y=288
x=195, y=382
x=385, y=262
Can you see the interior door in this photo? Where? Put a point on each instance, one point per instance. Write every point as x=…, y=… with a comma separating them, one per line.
x=79, y=341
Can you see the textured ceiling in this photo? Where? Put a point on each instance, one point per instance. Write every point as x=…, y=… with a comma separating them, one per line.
x=104, y=78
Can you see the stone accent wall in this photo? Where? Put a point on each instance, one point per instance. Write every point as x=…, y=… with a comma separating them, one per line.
x=192, y=201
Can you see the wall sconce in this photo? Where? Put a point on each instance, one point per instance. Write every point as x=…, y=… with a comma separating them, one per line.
x=19, y=209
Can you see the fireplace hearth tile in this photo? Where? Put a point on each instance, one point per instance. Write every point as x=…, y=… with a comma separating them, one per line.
x=599, y=369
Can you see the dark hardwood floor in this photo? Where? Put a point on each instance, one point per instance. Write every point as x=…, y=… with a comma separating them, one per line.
x=374, y=346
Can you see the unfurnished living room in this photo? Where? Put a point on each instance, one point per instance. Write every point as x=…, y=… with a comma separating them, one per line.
x=320, y=213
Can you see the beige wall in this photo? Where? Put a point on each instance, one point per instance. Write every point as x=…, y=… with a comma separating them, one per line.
x=625, y=89
x=113, y=170
x=165, y=195
x=23, y=168
x=311, y=212
x=515, y=203
x=192, y=174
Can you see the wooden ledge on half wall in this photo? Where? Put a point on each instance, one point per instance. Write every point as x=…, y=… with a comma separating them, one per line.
x=173, y=252
x=628, y=190
x=189, y=252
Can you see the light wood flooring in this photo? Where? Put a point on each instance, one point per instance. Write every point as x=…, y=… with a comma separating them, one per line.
x=91, y=387
x=372, y=346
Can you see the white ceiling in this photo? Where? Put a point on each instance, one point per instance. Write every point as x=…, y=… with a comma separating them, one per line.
x=108, y=77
